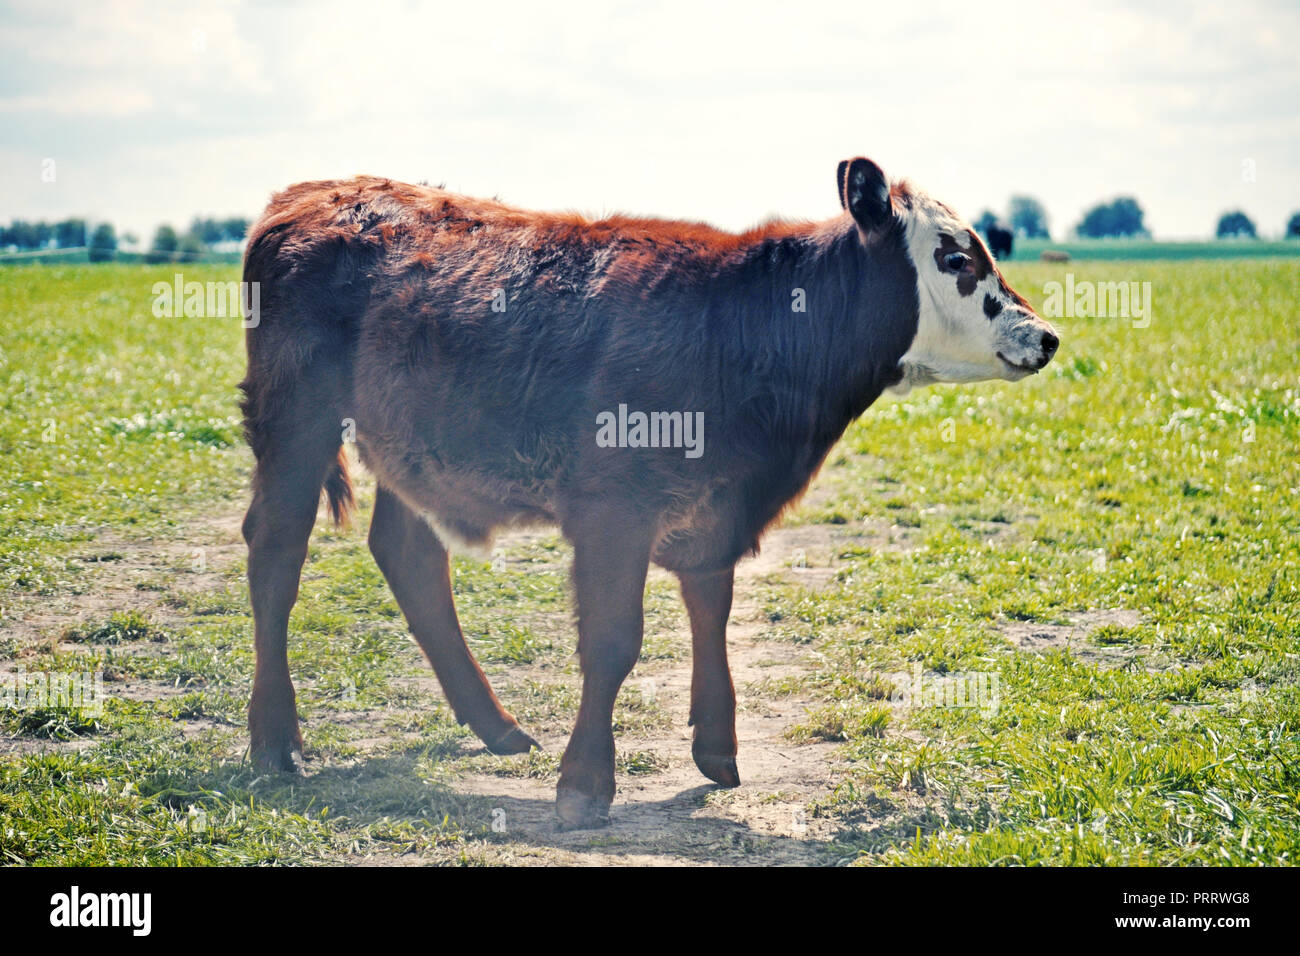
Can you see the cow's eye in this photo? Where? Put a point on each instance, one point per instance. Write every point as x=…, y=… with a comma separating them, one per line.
x=956, y=261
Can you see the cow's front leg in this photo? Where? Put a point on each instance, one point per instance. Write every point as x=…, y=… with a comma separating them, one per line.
x=611, y=556
x=713, y=698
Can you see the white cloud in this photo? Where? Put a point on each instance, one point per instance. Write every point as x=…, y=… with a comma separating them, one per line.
x=723, y=112
x=112, y=100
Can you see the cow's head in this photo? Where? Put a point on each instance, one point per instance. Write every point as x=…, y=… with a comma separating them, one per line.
x=971, y=325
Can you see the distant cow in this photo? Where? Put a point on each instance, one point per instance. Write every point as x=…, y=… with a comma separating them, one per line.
x=661, y=390
x=1054, y=255
x=1000, y=239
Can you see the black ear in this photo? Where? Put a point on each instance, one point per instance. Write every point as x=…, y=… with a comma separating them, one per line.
x=864, y=192
x=839, y=181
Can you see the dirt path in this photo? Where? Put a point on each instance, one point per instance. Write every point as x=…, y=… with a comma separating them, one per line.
x=123, y=574
x=675, y=816
x=670, y=815
x=120, y=575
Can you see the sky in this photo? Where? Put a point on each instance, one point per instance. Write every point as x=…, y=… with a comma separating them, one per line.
x=142, y=113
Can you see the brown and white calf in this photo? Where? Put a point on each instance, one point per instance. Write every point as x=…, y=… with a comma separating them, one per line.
x=483, y=353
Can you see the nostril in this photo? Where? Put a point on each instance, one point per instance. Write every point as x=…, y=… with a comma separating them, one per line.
x=1050, y=342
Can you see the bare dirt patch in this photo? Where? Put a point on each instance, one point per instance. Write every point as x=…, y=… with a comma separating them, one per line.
x=123, y=574
x=119, y=574
x=672, y=815
x=1076, y=637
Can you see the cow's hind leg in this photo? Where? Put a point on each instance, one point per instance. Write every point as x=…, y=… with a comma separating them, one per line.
x=297, y=448
x=611, y=557
x=713, y=697
x=417, y=569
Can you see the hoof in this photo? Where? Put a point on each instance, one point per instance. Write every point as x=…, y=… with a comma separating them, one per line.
x=720, y=768
x=513, y=741
x=274, y=738
x=286, y=759
x=577, y=811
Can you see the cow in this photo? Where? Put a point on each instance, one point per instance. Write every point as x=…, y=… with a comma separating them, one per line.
x=1000, y=241
x=479, y=352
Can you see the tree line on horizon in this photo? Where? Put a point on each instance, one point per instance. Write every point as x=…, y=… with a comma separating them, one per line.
x=102, y=242
x=1120, y=218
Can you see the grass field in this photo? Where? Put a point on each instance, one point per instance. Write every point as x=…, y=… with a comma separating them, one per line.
x=1112, y=545
x=1159, y=249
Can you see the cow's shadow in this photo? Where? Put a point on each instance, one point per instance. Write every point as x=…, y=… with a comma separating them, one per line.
x=663, y=830
x=407, y=788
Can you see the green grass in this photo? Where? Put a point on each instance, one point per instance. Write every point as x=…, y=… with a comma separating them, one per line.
x=1152, y=470
x=120, y=627
x=1148, y=470
x=124, y=427
x=1145, y=249
x=113, y=419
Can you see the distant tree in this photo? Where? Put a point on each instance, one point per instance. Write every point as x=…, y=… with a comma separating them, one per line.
x=208, y=231
x=1028, y=217
x=164, y=245
x=39, y=235
x=70, y=234
x=191, y=248
x=985, y=221
x=22, y=234
x=234, y=229
x=1293, y=226
x=1235, y=225
x=1120, y=217
x=103, y=243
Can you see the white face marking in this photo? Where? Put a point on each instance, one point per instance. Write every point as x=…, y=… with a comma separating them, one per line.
x=956, y=339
